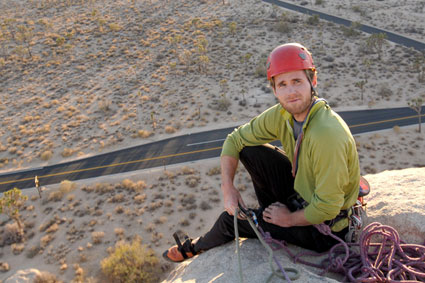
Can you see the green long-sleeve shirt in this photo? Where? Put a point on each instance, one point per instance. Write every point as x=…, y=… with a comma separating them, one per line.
x=328, y=166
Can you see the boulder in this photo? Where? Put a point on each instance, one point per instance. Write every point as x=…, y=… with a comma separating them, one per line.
x=397, y=199
x=23, y=276
x=220, y=265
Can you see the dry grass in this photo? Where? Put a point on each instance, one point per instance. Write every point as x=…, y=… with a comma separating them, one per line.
x=170, y=129
x=46, y=277
x=64, y=188
x=46, y=239
x=12, y=234
x=67, y=152
x=97, y=237
x=119, y=209
x=133, y=186
x=119, y=232
x=140, y=198
x=17, y=248
x=144, y=134
x=46, y=155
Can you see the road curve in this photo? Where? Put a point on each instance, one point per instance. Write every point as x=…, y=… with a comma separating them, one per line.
x=180, y=149
x=391, y=36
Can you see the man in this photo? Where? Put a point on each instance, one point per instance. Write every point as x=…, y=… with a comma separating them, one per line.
x=314, y=179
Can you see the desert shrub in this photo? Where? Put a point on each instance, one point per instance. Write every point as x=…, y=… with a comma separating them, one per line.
x=384, y=91
x=67, y=152
x=144, y=134
x=214, y=171
x=187, y=170
x=46, y=277
x=283, y=27
x=12, y=234
x=45, y=225
x=17, y=248
x=170, y=129
x=192, y=180
x=205, y=205
x=97, y=237
x=53, y=228
x=104, y=105
x=131, y=263
x=352, y=30
x=119, y=232
x=133, y=186
x=64, y=188
x=397, y=129
x=313, y=20
x=140, y=198
x=10, y=204
x=46, y=155
x=33, y=251
x=119, y=209
x=45, y=240
x=117, y=198
x=223, y=103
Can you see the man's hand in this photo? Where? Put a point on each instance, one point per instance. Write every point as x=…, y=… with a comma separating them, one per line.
x=278, y=214
x=231, y=198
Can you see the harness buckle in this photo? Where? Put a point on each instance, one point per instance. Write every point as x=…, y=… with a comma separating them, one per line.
x=355, y=222
x=246, y=212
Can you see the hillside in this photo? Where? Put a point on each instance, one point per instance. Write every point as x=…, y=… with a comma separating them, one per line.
x=83, y=77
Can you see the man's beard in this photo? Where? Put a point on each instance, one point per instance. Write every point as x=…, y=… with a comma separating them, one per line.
x=298, y=109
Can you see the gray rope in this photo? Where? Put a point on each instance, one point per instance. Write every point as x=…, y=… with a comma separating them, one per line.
x=275, y=272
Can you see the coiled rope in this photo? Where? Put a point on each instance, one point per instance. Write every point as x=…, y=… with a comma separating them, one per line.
x=387, y=259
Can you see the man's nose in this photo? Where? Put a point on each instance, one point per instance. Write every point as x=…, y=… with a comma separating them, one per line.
x=290, y=89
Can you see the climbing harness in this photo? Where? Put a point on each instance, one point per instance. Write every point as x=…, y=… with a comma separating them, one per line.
x=252, y=220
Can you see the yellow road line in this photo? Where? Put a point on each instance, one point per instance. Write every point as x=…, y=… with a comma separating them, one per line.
x=384, y=121
x=178, y=154
x=112, y=165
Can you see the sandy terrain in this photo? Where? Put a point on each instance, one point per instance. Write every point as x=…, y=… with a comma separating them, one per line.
x=402, y=17
x=79, y=78
x=104, y=75
x=153, y=204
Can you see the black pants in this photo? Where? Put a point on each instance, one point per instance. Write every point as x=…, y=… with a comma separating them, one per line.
x=270, y=171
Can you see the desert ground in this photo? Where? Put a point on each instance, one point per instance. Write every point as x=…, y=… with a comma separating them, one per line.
x=83, y=77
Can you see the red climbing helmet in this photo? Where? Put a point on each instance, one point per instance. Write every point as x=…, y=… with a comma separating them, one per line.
x=289, y=57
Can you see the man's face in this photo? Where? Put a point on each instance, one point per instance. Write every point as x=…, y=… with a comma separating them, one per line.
x=293, y=90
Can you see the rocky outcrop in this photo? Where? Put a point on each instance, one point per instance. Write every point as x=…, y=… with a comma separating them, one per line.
x=397, y=199
x=220, y=265
x=23, y=276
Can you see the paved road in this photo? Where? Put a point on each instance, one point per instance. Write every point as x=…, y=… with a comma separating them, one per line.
x=180, y=149
x=391, y=36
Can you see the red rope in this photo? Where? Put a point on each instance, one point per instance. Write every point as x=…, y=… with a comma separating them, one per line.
x=380, y=256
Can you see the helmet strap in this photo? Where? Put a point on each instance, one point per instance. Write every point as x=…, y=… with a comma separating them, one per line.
x=313, y=89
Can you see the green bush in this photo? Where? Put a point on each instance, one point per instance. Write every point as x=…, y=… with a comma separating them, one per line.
x=313, y=20
x=131, y=263
x=11, y=203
